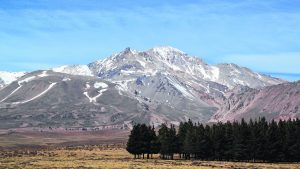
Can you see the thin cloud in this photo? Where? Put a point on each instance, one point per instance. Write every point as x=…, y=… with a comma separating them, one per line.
x=74, y=33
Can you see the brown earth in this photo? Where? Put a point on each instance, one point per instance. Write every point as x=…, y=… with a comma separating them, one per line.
x=34, y=138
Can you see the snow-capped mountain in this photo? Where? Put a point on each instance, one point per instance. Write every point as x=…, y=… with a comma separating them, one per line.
x=47, y=98
x=188, y=75
x=163, y=60
x=161, y=71
x=8, y=77
x=162, y=84
x=82, y=70
x=168, y=60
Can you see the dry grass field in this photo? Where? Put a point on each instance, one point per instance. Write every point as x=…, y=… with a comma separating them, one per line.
x=58, y=149
x=36, y=138
x=114, y=157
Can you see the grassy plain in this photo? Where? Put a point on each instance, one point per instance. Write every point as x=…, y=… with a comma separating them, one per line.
x=48, y=138
x=114, y=157
x=59, y=149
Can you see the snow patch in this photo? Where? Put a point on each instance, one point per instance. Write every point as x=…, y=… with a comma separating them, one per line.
x=9, y=77
x=44, y=74
x=11, y=93
x=182, y=89
x=60, y=69
x=259, y=76
x=28, y=79
x=119, y=88
x=235, y=70
x=124, y=84
x=87, y=86
x=82, y=70
x=142, y=63
x=37, y=96
x=94, y=99
x=108, y=63
x=128, y=72
x=66, y=79
x=172, y=66
x=206, y=88
x=240, y=82
x=166, y=50
x=215, y=73
x=204, y=73
x=100, y=84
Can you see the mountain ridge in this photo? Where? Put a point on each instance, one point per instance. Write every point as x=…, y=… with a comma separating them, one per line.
x=164, y=52
x=278, y=102
x=159, y=85
x=172, y=58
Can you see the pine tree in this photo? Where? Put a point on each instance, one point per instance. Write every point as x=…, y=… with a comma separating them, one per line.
x=282, y=135
x=164, y=141
x=142, y=140
x=134, y=145
x=237, y=142
x=246, y=138
x=253, y=142
x=218, y=137
x=154, y=144
x=273, y=142
x=296, y=147
x=200, y=141
x=173, y=140
x=262, y=139
x=294, y=141
x=256, y=141
x=182, y=131
x=189, y=144
x=228, y=145
x=207, y=141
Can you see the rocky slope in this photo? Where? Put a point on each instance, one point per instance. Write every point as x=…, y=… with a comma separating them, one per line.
x=160, y=72
x=159, y=85
x=47, y=98
x=172, y=61
x=274, y=102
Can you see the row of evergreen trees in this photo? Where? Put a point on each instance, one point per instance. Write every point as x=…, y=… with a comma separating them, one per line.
x=143, y=140
x=237, y=141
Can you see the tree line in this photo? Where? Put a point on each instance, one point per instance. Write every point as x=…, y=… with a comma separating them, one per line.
x=256, y=141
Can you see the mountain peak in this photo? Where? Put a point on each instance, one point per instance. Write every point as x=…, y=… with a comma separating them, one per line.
x=128, y=50
x=82, y=70
x=166, y=49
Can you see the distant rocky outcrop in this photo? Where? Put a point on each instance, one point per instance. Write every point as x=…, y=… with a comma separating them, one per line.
x=274, y=102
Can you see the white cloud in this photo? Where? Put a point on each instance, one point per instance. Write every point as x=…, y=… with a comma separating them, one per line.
x=205, y=29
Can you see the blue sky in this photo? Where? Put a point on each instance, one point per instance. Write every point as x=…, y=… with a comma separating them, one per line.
x=262, y=35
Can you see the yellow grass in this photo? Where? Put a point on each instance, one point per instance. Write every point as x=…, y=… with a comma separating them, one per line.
x=114, y=158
